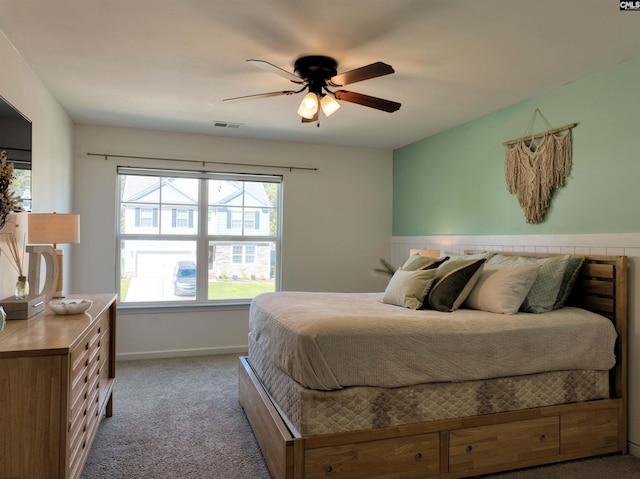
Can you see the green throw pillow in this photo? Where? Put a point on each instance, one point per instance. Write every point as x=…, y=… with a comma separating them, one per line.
x=574, y=264
x=417, y=262
x=454, y=281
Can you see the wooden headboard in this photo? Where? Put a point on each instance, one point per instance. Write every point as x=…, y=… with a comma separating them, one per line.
x=601, y=287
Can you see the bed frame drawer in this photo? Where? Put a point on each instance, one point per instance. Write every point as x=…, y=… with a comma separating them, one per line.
x=589, y=432
x=406, y=457
x=475, y=448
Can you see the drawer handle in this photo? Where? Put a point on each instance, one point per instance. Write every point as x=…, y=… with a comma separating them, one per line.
x=328, y=470
x=542, y=437
x=469, y=448
x=418, y=456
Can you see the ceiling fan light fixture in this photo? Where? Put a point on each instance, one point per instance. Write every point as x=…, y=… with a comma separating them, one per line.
x=329, y=105
x=308, y=106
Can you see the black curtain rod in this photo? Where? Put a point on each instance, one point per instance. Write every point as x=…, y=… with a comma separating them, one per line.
x=203, y=162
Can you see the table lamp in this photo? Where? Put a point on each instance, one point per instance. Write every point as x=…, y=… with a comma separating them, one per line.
x=54, y=228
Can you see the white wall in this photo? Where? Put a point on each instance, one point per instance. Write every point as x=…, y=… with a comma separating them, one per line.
x=607, y=244
x=337, y=223
x=51, y=142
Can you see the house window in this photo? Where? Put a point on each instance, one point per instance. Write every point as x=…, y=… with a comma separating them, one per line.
x=249, y=254
x=221, y=229
x=146, y=217
x=244, y=254
x=249, y=220
x=182, y=218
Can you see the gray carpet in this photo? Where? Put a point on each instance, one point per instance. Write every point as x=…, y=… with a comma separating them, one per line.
x=180, y=418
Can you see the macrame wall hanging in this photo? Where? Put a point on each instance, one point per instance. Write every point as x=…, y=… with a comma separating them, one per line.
x=535, y=165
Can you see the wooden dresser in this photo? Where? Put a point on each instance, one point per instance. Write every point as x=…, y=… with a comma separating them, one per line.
x=56, y=382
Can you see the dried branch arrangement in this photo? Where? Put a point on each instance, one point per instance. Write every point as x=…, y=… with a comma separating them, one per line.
x=15, y=255
x=9, y=201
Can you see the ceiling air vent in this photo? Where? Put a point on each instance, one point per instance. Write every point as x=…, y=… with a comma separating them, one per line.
x=226, y=124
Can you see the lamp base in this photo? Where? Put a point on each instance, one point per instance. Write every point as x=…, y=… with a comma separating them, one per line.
x=59, y=291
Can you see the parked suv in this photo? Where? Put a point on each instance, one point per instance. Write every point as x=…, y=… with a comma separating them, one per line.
x=184, y=278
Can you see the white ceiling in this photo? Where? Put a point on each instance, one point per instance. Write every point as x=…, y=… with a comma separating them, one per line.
x=167, y=64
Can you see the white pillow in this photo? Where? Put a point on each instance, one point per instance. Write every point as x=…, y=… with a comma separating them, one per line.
x=544, y=291
x=409, y=288
x=502, y=288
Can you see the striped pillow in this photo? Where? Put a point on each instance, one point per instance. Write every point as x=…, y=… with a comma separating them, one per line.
x=544, y=292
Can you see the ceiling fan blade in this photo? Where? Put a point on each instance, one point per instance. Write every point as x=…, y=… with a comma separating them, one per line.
x=262, y=95
x=277, y=70
x=366, y=100
x=374, y=70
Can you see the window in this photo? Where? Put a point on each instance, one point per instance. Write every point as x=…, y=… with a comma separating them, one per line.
x=244, y=254
x=190, y=237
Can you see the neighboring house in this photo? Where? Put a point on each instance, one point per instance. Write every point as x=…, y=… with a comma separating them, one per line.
x=167, y=208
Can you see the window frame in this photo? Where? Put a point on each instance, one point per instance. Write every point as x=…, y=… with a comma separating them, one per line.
x=204, y=240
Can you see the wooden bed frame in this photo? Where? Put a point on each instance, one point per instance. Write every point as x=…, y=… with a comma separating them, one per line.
x=470, y=446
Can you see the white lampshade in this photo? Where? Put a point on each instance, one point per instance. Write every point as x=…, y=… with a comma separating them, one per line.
x=53, y=228
x=329, y=105
x=308, y=106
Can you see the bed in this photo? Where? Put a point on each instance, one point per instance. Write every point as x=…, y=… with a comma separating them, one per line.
x=321, y=405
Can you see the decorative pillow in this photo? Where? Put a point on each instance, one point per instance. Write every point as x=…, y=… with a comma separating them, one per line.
x=432, y=253
x=544, y=291
x=485, y=254
x=417, y=262
x=409, y=288
x=502, y=288
x=454, y=281
x=568, y=280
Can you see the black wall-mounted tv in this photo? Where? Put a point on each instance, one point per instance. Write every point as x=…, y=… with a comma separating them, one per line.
x=16, y=139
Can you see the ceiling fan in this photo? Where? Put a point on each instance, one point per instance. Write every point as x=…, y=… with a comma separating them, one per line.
x=319, y=75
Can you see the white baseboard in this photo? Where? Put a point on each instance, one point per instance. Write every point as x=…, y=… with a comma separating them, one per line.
x=181, y=353
x=634, y=449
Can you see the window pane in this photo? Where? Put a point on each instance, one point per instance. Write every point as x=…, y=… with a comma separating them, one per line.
x=179, y=220
x=21, y=186
x=182, y=191
x=241, y=271
x=139, y=204
x=154, y=270
x=152, y=205
x=242, y=208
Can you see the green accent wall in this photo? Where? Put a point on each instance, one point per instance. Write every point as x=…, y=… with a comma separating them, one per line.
x=453, y=182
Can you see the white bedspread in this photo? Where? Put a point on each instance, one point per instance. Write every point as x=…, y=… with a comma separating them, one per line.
x=328, y=341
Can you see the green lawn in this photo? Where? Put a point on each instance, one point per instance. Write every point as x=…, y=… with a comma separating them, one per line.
x=238, y=289
x=221, y=289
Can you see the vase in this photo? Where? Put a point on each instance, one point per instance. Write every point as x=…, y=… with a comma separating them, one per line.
x=22, y=288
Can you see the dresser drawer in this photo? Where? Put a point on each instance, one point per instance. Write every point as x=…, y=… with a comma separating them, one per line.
x=486, y=446
x=88, y=359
